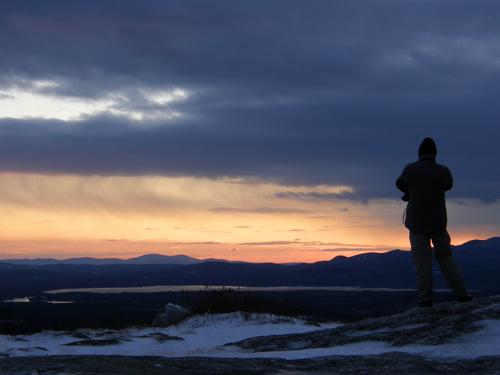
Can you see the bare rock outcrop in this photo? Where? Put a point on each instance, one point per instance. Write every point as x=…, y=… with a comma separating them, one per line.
x=419, y=326
x=386, y=364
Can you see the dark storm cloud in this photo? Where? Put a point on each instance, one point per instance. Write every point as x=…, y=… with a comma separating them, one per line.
x=347, y=249
x=299, y=92
x=260, y=210
x=315, y=196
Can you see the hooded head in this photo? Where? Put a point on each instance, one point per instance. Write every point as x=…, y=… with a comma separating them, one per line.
x=427, y=147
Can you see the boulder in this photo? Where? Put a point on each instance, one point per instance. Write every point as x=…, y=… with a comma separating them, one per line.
x=169, y=315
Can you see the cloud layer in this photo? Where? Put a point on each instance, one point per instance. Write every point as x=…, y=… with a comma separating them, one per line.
x=303, y=94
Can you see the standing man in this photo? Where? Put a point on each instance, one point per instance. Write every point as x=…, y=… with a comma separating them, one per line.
x=424, y=184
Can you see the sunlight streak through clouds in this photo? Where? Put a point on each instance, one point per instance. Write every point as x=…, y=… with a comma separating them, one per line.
x=39, y=100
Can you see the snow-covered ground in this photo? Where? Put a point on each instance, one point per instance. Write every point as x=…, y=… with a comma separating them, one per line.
x=204, y=336
x=201, y=335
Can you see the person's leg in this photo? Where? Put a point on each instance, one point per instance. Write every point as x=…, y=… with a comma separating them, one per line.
x=421, y=253
x=449, y=267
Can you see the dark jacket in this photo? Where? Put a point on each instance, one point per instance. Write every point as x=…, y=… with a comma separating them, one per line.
x=425, y=183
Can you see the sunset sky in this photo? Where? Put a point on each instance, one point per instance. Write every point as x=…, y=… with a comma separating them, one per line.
x=262, y=131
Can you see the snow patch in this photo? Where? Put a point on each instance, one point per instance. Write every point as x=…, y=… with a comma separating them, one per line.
x=385, y=330
x=202, y=336
x=205, y=335
x=18, y=300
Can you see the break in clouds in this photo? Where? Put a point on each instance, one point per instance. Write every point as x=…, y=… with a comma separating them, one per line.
x=316, y=93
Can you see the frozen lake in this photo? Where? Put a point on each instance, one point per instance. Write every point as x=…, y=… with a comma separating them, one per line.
x=196, y=288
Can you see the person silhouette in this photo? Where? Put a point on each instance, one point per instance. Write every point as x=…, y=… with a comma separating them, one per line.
x=424, y=184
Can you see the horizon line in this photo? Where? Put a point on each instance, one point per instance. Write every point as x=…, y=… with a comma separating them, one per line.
x=6, y=260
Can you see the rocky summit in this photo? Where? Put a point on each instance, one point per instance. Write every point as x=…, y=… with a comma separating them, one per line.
x=437, y=325
x=390, y=363
x=451, y=337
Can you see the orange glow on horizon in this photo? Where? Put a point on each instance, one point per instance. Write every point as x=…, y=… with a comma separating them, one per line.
x=248, y=252
x=65, y=216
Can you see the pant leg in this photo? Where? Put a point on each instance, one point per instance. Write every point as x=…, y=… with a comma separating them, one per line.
x=421, y=253
x=449, y=267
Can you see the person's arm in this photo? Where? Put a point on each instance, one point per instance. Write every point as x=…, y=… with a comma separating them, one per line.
x=402, y=181
x=448, y=183
x=402, y=184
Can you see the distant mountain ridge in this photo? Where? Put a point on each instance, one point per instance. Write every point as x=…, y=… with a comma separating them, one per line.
x=179, y=259
x=478, y=259
x=182, y=259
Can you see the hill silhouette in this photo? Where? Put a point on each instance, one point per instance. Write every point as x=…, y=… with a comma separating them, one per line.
x=479, y=261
